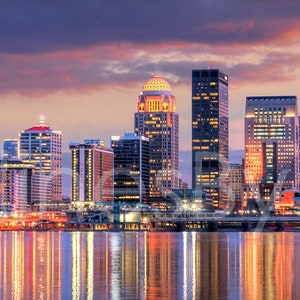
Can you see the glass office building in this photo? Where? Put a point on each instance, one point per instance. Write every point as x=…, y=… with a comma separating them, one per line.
x=271, y=147
x=210, y=136
x=11, y=148
x=131, y=168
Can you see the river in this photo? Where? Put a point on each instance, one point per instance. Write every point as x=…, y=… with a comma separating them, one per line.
x=149, y=265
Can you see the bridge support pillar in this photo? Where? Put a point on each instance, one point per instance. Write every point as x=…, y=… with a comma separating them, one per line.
x=212, y=226
x=246, y=226
x=279, y=226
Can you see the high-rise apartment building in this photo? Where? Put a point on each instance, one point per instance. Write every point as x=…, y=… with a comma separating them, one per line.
x=210, y=136
x=131, y=168
x=271, y=147
x=42, y=147
x=92, y=174
x=156, y=118
x=11, y=148
x=15, y=186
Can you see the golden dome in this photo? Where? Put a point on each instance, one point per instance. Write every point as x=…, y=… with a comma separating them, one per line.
x=156, y=85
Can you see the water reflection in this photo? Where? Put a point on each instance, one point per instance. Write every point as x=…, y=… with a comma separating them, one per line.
x=99, y=265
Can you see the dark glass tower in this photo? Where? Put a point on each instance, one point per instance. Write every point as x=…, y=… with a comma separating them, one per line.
x=131, y=168
x=210, y=136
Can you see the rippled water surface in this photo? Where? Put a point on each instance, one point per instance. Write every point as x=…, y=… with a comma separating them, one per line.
x=107, y=265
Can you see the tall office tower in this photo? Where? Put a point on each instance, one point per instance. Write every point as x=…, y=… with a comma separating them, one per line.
x=271, y=147
x=235, y=183
x=210, y=136
x=131, y=168
x=11, y=148
x=92, y=174
x=156, y=118
x=42, y=147
x=15, y=186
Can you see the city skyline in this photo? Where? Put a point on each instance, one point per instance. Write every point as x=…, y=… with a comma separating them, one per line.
x=98, y=56
x=75, y=88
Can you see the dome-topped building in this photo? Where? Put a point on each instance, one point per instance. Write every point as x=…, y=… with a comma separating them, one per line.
x=156, y=96
x=156, y=118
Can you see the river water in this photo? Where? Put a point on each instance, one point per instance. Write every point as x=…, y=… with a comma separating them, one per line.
x=148, y=265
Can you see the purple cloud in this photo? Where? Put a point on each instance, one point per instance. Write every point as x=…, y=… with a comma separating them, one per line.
x=45, y=26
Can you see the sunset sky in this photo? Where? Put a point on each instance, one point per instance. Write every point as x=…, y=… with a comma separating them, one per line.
x=83, y=63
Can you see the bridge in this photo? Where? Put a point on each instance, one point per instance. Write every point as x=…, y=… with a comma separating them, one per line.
x=182, y=221
x=227, y=223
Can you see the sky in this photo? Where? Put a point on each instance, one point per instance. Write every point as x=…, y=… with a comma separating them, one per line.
x=82, y=64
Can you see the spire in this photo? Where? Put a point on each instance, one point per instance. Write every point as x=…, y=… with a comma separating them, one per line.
x=42, y=120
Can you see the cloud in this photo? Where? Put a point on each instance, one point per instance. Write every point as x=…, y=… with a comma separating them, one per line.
x=102, y=66
x=123, y=65
x=70, y=45
x=32, y=27
x=275, y=67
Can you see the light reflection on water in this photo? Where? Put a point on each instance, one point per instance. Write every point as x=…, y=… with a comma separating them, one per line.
x=131, y=265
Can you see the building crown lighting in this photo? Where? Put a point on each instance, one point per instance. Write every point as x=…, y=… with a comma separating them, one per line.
x=156, y=85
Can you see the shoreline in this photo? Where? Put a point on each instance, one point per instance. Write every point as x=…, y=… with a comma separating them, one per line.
x=216, y=225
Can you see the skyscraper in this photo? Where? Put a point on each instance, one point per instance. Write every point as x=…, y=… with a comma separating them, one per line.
x=271, y=147
x=131, y=168
x=156, y=118
x=210, y=136
x=92, y=174
x=42, y=147
x=11, y=148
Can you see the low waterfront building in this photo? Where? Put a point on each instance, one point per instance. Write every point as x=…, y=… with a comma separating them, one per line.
x=288, y=201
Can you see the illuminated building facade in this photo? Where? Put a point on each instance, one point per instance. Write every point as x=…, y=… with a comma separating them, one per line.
x=42, y=147
x=15, y=186
x=41, y=192
x=131, y=168
x=156, y=118
x=92, y=174
x=235, y=184
x=210, y=136
x=288, y=201
x=271, y=147
x=11, y=148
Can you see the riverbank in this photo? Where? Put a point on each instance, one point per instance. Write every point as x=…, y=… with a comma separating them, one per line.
x=161, y=223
